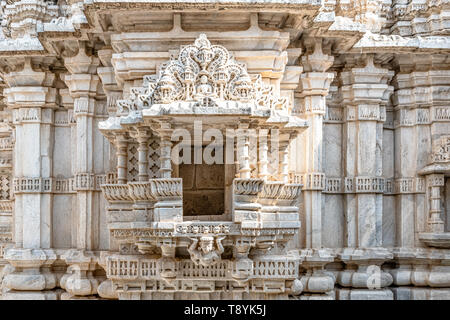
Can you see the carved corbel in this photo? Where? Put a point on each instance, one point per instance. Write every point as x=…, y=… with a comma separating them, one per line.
x=206, y=250
x=242, y=268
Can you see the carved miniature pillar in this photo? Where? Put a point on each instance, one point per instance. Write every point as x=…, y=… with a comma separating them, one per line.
x=110, y=86
x=315, y=84
x=121, y=146
x=363, y=91
x=243, y=151
x=6, y=179
x=32, y=99
x=83, y=84
x=142, y=139
x=165, y=145
x=412, y=146
x=434, y=184
x=263, y=157
x=284, y=150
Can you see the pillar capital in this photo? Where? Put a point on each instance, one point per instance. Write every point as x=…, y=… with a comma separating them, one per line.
x=81, y=62
x=28, y=86
x=315, y=59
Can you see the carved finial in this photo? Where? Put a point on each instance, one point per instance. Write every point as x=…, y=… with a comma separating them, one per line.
x=202, y=41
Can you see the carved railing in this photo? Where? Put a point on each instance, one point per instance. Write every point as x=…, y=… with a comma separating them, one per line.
x=140, y=191
x=116, y=192
x=149, y=215
x=166, y=188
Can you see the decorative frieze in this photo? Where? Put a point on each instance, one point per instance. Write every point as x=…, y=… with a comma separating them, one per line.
x=334, y=115
x=56, y=185
x=311, y=181
x=133, y=268
x=218, y=228
x=441, y=150
x=375, y=185
x=409, y=185
x=84, y=181
x=440, y=113
x=412, y=117
x=365, y=113
x=6, y=144
x=333, y=185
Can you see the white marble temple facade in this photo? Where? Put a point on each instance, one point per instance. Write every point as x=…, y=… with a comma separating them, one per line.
x=336, y=115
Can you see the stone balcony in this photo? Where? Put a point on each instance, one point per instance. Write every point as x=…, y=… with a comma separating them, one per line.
x=163, y=250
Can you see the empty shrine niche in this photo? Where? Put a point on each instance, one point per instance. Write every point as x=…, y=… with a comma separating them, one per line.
x=203, y=188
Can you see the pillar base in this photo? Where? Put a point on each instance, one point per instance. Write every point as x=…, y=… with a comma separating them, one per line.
x=364, y=294
x=32, y=295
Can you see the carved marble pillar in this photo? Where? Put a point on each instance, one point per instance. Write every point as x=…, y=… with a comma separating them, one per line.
x=109, y=83
x=6, y=189
x=142, y=138
x=434, y=184
x=83, y=84
x=243, y=142
x=284, y=163
x=165, y=133
x=412, y=147
x=32, y=99
x=364, y=90
x=263, y=154
x=315, y=82
x=122, y=160
x=112, y=90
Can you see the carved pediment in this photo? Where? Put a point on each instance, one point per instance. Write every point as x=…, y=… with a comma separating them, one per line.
x=204, y=75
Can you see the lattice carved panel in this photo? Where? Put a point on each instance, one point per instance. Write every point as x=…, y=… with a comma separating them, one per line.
x=5, y=187
x=153, y=157
x=133, y=162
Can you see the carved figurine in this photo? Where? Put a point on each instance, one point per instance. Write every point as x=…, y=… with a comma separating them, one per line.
x=204, y=89
x=209, y=252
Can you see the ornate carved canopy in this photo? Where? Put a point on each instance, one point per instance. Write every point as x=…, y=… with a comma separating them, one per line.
x=203, y=79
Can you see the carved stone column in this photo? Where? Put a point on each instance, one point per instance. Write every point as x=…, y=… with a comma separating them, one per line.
x=83, y=83
x=315, y=82
x=412, y=146
x=284, y=163
x=263, y=154
x=365, y=91
x=243, y=141
x=121, y=142
x=32, y=100
x=434, y=184
x=165, y=145
x=6, y=188
x=142, y=138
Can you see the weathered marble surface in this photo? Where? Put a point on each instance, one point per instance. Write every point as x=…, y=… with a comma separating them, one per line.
x=354, y=203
